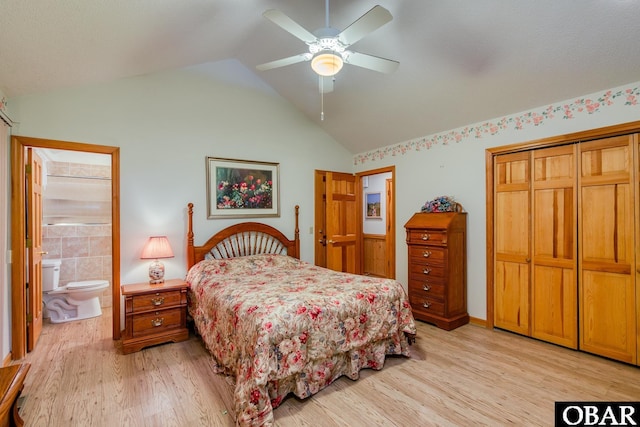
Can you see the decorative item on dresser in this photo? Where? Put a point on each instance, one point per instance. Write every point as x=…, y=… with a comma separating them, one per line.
x=438, y=268
x=11, y=384
x=154, y=314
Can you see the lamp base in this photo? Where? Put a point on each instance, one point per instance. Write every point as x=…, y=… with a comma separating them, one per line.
x=156, y=272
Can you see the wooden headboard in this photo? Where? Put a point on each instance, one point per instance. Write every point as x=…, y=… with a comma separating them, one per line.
x=246, y=238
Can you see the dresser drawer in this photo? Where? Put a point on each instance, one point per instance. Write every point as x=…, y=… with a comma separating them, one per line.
x=156, y=300
x=156, y=321
x=427, y=288
x=426, y=237
x=419, y=254
x=417, y=271
x=426, y=305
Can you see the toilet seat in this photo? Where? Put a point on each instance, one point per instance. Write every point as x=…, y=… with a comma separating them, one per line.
x=82, y=286
x=85, y=284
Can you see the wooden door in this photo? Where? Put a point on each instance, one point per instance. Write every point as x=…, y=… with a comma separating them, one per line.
x=342, y=250
x=34, y=248
x=636, y=149
x=554, y=286
x=320, y=214
x=606, y=249
x=512, y=242
x=636, y=144
x=390, y=250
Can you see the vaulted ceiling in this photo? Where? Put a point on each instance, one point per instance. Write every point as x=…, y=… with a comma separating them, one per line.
x=461, y=62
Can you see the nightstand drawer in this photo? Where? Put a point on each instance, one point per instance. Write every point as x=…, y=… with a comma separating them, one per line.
x=144, y=324
x=156, y=300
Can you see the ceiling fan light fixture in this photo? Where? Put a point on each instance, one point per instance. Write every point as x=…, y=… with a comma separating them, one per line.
x=327, y=64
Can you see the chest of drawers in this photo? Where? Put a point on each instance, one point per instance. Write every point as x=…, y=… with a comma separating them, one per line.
x=438, y=268
x=154, y=314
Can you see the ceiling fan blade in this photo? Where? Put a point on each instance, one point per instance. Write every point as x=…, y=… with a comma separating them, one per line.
x=371, y=62
x=370, y=21
x=326, y=84
x=284, y=62
x=289, y=25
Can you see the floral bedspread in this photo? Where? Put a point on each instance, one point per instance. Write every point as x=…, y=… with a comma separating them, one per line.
x=280, y=325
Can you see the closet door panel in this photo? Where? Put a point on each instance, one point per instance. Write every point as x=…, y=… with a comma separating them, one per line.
x=607, y=286
x=607, y=227
x=512, y=243
x=554, y=286
x=608, y=315
x=554, y=314
x=512, y=297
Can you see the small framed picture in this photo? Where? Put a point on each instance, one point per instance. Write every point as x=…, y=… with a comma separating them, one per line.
x=373, y=205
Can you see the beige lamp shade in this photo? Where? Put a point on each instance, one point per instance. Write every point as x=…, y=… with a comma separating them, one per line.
x=157, y=247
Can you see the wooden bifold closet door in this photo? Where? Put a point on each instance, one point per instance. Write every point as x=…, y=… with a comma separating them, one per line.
x=535, y=285
x=607, y=258
x=566, y=224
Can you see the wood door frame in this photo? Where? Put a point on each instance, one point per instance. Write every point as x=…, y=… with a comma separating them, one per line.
x=391, y=214
x=18, y=223
x=492, y=153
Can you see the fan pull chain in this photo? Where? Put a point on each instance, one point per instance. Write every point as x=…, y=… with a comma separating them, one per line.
x=321, y=99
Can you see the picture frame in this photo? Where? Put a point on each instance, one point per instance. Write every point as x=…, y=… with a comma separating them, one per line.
x=373, y=205
x=242, y=188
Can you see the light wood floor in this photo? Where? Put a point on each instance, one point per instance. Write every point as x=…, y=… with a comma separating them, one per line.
x=469, y=376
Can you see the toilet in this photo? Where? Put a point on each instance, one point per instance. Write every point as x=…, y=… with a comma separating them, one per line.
x=75, y=301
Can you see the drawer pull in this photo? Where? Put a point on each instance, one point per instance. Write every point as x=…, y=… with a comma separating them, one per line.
x=426, y=304
x=157, y=322
x=157, y=301
x=426, y=254
x=426, y=288
x=425, y=236
x=426, y=271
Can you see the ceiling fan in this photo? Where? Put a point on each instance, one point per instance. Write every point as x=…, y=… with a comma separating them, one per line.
x=328, y=46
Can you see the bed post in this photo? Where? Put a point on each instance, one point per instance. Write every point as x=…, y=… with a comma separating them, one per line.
x=190, y=249
x=297, y=234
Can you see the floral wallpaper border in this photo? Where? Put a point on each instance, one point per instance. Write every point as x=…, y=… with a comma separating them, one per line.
x=586, y=105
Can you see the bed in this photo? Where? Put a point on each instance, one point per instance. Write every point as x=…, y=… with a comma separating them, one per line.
x=279, y=325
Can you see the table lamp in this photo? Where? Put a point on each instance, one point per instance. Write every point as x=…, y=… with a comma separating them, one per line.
x=155, y=248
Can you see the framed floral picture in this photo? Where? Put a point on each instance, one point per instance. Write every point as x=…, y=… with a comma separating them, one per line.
x=242, y=188
x=373, y=205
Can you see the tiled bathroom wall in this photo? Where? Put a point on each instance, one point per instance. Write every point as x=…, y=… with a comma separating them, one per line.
x=84, y=249
x=85, y=252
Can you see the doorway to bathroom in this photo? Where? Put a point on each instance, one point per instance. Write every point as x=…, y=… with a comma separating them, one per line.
x=60, y=213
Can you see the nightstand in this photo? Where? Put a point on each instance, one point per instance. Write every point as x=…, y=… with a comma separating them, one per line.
x=154, y=314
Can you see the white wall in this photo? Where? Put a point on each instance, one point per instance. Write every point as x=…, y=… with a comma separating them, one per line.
x=452, y=163
x=165, y=125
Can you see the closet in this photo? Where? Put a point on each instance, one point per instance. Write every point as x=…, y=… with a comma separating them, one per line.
x=563, y=234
